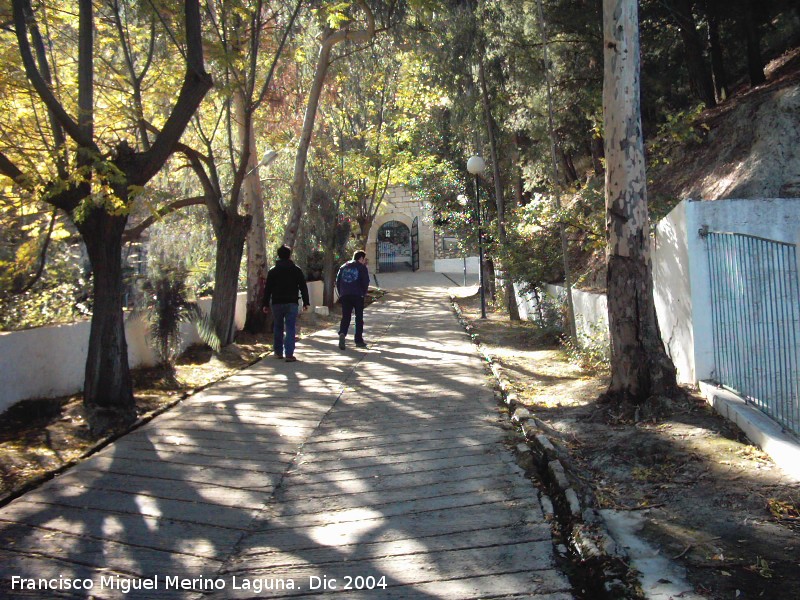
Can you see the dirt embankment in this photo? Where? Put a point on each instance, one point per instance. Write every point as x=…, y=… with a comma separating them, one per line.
x=750, y=145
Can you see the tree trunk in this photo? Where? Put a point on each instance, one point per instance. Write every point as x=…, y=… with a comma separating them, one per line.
x=108, y=389
x=571, y=329
x=329, y=275
x=518, y=181
x=510, y=297
x=230, y=247
x=331, y=38
x=108, y=393
x=301, y=158
x=693, y=51
x=570, y=173
x=718, y=74
x=365, y=225
x=752, y=35
x=256, y=239
x=489, y=282
x=640, y=368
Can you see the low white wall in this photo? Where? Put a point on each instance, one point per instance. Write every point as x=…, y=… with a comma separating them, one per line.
x=46, y=362
x=315, y=293
x=591, y=310
x=42, y=362
x=50, y=361
x=672, y=293
x=526, y=302
x=681, y=281
x=456, y=265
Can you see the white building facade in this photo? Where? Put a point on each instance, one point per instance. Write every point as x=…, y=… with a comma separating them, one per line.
x=402, y=238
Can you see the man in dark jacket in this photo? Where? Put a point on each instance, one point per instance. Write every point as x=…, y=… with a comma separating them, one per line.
x=352, y=282
x=285, y=284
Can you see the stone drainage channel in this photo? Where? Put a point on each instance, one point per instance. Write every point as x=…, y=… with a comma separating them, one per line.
x=596, y=565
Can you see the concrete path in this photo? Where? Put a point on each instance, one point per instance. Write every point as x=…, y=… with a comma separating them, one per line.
x=366, y=474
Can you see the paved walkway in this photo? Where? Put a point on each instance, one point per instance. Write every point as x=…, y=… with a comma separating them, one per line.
x=384, y=470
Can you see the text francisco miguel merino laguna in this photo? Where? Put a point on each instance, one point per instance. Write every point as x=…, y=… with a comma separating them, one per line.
x=158, y=582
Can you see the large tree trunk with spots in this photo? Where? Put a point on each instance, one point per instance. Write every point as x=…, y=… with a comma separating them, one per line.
x=640, y=367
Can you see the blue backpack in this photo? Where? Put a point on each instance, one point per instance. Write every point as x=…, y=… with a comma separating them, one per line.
x=349, y=274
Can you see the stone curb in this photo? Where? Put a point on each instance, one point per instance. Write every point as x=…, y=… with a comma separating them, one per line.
x=573, y=505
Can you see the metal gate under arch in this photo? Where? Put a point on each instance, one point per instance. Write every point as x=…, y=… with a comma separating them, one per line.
x=394, y=248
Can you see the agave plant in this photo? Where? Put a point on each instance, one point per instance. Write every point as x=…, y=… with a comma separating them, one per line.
x=169, y=306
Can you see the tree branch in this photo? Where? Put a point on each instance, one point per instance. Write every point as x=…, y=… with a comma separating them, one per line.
x=42, y=255
x=23, y=13
x=362, y=35
x=136, y=231
x=278, y=53
x=196, y=83
x=10, y=170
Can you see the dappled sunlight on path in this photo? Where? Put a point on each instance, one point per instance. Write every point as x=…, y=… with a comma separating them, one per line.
x=385, y=469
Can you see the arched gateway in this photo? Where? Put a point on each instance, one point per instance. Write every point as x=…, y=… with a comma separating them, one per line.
x=402, y=238
x=394, y=248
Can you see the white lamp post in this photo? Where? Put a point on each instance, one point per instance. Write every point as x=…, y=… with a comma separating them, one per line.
x=476, y=165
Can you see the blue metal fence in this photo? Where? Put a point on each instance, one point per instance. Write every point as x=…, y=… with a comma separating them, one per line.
x=756, y=322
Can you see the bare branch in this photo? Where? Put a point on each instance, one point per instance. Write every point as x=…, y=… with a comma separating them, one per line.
x=195, y=85
x=135, y=232
x=277, y=56
x=23, y=13
x=42, y=255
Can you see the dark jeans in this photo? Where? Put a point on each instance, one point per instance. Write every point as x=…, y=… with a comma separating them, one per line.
x=350, y=304
x=285, y=316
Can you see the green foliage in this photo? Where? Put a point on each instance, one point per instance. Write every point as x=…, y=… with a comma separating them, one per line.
x=168, y=305
x=590, y=350
x=445, y=190
x=42, y=306
x=547, y=316
x=60, y=295
x=680, y=128
x=185, y=239
x=334, y=14
x=205, y=329
x=533, y=252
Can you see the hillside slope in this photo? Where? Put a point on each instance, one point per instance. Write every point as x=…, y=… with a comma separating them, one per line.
x=751, y=149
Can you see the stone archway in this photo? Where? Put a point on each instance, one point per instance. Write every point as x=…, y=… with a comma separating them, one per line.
x=393, y=250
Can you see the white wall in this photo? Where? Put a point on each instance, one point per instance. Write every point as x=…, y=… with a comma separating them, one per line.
x=591, y=310
x=42, y=362
x=681, y=275
x=526, y=302
x=46, y=362
x=456, y=265
x=681, y=285
x=50, y=361
x=316, y=291
x=672, y=291
x=771, y=218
